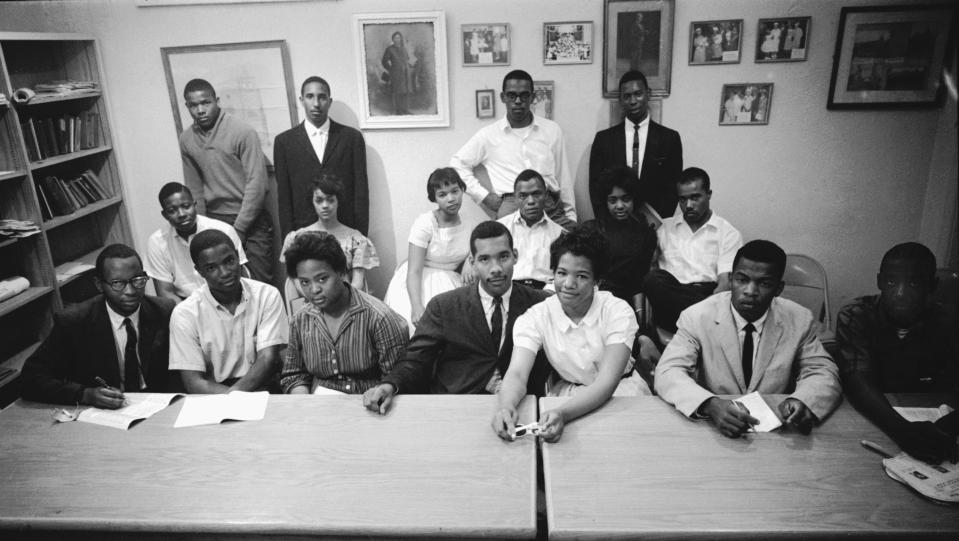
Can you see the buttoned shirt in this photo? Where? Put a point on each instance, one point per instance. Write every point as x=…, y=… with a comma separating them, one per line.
x=120, y=339
x=168, y=255
x=488, y=308
x=318, y=136
x=629, y=127
x=532, y=245
x=370, y=339
x=757, y=331
x=206, y=337
x=701, y=256
x=505, y=154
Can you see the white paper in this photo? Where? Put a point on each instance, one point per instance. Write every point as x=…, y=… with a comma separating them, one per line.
x=758, y=408
x=939, y=482
x=321, y=390
x=216, y=408
x=923, y=414
x=139, y=406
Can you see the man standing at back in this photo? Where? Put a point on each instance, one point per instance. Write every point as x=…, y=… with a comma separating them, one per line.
x=519, y=141
x=653, y=151
x=318, y=145
x=224, y=167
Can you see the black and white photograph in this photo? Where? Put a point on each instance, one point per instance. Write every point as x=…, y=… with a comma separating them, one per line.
x=715, y=42
x=568, y=43
x=485, y=44
x=745, y=104
x=485, y=103
x=638, y=35
x=542, y=104
x=782, y=39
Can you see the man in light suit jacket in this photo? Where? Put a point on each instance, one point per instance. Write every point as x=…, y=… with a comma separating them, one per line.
x=658, y=152
x=320, y=144
x=748, y=340
x=92, y=340
x=462, y=345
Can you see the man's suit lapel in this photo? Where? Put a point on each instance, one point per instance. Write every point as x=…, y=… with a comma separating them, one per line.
x=104, y=353
x=477, y=319
x=772, y=335
x=302, y=146
x=651, y=149
x=728, y=336
x=149, y=325
x=618, y=143
x=333, y=140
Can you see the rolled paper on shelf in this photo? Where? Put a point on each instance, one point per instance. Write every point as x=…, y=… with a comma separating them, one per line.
x=23, y=95
x=13, y=285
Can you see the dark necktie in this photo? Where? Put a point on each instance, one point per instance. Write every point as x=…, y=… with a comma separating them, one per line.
x=496, y=321
x=131, y=366
x=636, y=148
x=748, y=353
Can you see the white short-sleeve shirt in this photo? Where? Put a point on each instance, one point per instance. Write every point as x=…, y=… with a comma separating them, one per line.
x=701, y=256
x=206, y=337
x=576, y=350
x=532, y=245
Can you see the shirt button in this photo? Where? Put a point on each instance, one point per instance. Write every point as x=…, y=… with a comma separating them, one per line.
x=347, y=387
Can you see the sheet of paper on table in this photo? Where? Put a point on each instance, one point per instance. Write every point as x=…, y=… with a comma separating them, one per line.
x=139, y=406
x=939, y=482
x=923, y=414
x=758, y=408
x=214, y=409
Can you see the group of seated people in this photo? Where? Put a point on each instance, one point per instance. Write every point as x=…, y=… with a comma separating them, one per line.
x=515, y=306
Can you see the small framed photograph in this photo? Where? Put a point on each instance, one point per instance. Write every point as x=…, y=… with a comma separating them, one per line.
x=485, y=44
x=568, y=43
x=745, y=104
x=542, y=99
x=715, y=42
x=891, y=56
x=782, y=40
x=485, y=103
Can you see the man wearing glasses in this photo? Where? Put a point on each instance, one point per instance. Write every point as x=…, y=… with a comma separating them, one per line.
x=513, y=144
x=100, y=348
x=168, y=260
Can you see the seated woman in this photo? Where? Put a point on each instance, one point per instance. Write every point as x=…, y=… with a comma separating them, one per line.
x=343, y=340
x=439, y=243
x=359, y=250
x=586, y=335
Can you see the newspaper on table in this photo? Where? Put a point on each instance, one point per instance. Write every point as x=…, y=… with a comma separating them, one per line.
x=940, y=482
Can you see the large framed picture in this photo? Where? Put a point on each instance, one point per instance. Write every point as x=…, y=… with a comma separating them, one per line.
x=784, y=39
x=252, y=80
x=715, y=42
x=745, y=104
x=542, y=99
x=401, y=66
x=485, y=103
x=485, y=44
x=891, y=56
x=638, y=35
x=568, y=43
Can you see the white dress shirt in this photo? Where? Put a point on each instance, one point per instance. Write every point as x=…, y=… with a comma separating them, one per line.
x=120, y=340
x=697, y=257
x=628, y=127
x=319, y=136
x=532, y=245
x=757, y=333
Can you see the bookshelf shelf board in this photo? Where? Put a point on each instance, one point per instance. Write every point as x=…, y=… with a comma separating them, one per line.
x=17, y=360
x=28, y=296
x=90, y=257
x=89, y=209
x=40, y=99
x=8, y=242
x=7, y=175
x=63, y=158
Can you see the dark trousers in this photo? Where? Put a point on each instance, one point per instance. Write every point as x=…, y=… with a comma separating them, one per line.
x=669, y=298
x=258, y=244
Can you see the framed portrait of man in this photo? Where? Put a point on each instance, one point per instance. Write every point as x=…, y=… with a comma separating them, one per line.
x=638, y=35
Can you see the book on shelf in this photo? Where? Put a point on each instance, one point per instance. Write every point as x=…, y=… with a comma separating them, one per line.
x=46, y=211
x=59, y=201
x=54, y=136
x=94, y=181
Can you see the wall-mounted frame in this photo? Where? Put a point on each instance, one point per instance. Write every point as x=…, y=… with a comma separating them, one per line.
x=891, y=56
x=617, y=115
x=401, y=66
x=485, y=44
x=485, y=103
x=715, y=42
x=252, y=80
x=638, y=34
x=745, y=104
x=568, y=43
x=782, y=39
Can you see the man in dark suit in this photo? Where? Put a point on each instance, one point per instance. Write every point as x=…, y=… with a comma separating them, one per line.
x=654, y=151
x=120, y=337
x=320, y=144
x=463, y=342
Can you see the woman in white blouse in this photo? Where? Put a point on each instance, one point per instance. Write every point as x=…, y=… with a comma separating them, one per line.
x=587, y=336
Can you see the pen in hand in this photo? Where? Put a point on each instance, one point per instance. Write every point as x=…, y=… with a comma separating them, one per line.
x=104, y=385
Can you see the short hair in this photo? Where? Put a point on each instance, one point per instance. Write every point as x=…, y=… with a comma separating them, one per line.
x=206, y=239
x=490, y=229
x=527, y=175
x=621, y=177
x=585, y=241
x=171, y=188
x=763, y=251
x=115, y=251
x=518, y=75
x=632, y=75
x=692, y=174
x=328, y=183
x=318, y=245
x=198, y=85
x=444, y=176
x=315, y=79
x=913, y=252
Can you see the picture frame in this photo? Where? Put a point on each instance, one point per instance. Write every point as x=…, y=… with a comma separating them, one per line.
x=715, y=42
x=404, y=82
x=568, y=43
x=253, y=81
x=617, y=114
x=638, y=34
x=486, y=103
x=745, y=104
x=542, y=104
x=485, y=44
x=891, y=56
x=789, y=44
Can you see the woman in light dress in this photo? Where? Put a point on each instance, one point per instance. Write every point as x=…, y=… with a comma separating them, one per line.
x=438, y=245
x=700, y=42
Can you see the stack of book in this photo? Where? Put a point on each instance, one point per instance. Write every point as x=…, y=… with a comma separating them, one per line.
x=54, y=90
x=59, y=197
x=52, y=136
x=17, y=229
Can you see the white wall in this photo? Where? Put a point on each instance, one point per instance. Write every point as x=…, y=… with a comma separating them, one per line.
x=842, y=186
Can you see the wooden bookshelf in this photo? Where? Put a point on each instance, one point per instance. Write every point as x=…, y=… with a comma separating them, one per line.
x=89, y=209
x=64, y=158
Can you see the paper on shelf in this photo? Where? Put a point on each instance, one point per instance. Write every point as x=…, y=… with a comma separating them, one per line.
x=923, y=414
x=758, y=408
x=214, y=409
x=141, y=406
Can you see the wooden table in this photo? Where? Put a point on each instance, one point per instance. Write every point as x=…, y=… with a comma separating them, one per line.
x=638, y=468
x=316, y=465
